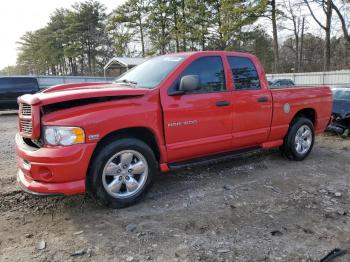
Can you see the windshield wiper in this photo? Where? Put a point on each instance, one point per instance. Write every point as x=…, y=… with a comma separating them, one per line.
x=126, y=81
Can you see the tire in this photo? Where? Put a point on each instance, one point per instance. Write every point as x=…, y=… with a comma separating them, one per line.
x=112, y=164
x=298, y=143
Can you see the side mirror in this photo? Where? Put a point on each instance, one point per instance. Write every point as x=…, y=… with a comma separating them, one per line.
x=189, y=83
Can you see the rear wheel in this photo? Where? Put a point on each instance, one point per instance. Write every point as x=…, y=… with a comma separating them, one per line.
x=121, y=172
x=300, y=139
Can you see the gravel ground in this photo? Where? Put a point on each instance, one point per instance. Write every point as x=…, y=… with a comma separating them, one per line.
x=258, y=207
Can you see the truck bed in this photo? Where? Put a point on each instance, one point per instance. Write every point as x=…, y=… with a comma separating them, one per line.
x=288, y=101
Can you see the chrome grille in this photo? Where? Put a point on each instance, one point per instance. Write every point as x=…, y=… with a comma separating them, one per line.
x=26, y=110
x=26, y=126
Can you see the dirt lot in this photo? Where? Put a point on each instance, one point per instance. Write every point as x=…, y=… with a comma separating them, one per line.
x=259, y=207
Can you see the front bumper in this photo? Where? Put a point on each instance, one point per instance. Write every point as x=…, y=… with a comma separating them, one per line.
x=43, y=189
x=53, y=170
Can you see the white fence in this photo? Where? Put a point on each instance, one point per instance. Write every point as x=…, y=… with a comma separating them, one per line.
x=47, y=81
x=331, y=78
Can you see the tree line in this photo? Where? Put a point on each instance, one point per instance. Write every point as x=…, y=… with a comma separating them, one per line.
x=80, y=40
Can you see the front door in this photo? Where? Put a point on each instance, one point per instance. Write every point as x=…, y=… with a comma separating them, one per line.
x=200, y=122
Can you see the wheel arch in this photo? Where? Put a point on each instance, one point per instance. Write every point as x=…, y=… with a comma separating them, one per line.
x=308, y=113
x=142, y=133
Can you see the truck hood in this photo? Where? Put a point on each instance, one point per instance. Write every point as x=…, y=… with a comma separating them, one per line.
x=81, y=91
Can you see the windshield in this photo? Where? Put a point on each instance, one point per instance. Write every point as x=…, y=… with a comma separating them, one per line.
x=150, y=73
x=341, y=94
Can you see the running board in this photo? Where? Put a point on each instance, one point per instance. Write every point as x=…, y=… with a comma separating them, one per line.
x=210, y=159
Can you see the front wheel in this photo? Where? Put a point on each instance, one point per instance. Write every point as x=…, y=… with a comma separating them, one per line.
x=121, y=172
x=300, y=139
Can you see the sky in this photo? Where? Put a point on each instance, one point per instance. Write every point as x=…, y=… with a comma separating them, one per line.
x=20, y=16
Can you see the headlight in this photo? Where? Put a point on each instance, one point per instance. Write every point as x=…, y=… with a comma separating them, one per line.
x=64, y=136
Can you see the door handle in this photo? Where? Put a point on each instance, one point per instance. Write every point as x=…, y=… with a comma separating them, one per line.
x=222, y=103
x=263, y=99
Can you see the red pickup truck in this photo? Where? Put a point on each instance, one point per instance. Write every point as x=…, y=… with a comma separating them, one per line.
x=170, y=111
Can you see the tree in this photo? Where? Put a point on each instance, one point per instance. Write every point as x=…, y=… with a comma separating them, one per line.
x=341, y=53
x=272, y=13
x=193, y=23
x=132, y=14
x=342, y=21
x=326, y=6
x=300, y=62
x=72, y=39
x=259, y=43
x=229, y=18
x=159, y=21
x=14, y=70
x=293, y=14
x=35, y=52
x=57, y=41
x=88, y=28
x=81, y=39
x=122, y=38
x=197, y=22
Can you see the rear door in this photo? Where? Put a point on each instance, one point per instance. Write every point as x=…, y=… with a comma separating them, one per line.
x=252, y=104
x=199, y=123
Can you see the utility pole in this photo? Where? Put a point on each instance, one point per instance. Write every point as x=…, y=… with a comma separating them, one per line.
x=300, y=65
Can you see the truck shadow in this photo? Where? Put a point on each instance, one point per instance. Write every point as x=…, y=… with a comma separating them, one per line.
x=174, y=184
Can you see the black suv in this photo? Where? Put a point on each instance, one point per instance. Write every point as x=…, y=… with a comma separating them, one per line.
x=13, y=87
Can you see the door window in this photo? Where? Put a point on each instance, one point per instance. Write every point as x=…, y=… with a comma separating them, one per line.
x=244, y=73
x=211, y=75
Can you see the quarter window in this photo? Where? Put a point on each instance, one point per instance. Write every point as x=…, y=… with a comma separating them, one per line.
x=244, y=73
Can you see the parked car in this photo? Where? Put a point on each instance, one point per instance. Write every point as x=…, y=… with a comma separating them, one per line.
x=13, y=87
x=169, y=112
x=281, y=82
x=340, y=122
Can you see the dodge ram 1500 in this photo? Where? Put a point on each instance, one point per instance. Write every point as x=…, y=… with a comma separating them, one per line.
x=170, y=111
